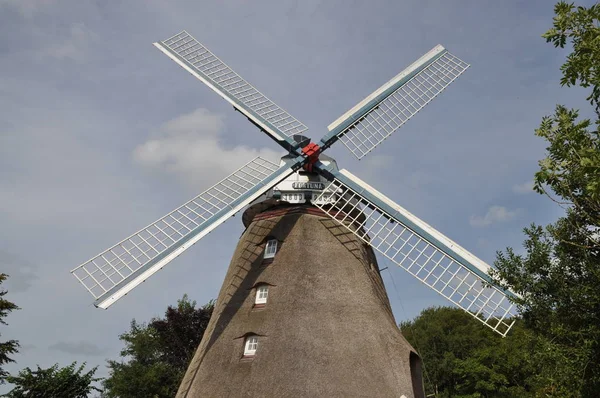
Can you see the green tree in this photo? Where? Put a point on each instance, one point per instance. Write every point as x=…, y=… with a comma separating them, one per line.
x=579, y=27
x=571, y=169
x=558, y=276
x=7, y=348
x=54, y=382
x=158, y=353
x=462, y=358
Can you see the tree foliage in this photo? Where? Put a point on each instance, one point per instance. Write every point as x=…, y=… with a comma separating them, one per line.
x=578, y=26
x=571, y=169
x=558, y=276
x=462, y=358
x=54, y=382
x=158, y=352
x=7, y=348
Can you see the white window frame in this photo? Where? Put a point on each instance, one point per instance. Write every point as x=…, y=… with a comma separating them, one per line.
x=262, y=293
x=270, y=248
x=250, y=346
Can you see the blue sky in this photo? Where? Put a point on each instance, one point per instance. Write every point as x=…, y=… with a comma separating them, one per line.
x=82, y=91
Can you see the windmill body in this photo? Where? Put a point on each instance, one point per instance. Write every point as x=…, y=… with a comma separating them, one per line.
x=325, y=329
x=303, y=310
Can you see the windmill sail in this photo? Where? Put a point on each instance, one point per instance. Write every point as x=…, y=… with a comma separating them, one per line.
x=376, y=117
x=204, y=65
x=116, y=271
x=421, y=250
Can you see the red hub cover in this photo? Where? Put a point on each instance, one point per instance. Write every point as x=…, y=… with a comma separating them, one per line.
x=311, y=151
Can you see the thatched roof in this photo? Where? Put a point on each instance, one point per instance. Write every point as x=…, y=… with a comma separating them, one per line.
x=327, y=329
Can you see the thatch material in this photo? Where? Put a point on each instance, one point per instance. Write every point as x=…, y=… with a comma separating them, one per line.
x=327, y=329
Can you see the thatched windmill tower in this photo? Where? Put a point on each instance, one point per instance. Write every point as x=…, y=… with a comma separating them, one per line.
x=325, y=327
x=303, y=311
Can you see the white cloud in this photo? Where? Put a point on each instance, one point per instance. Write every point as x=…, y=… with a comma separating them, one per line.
x=524, y=188
x=189, y=148
x=80, y=348
x=56, y=166
x=27, y=8
x=21, y=273
x=483, y=243
x=72, y=47
x=495, y=214
x=377, y=162
x=26, y=348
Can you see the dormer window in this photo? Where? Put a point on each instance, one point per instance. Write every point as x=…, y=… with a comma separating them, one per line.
x=250, y=346
x=270, y=248
x=262, y=292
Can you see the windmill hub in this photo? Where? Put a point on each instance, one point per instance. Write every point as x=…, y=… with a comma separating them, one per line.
x=311, y=151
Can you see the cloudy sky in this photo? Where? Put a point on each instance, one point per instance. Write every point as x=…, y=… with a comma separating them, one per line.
x=84, y=96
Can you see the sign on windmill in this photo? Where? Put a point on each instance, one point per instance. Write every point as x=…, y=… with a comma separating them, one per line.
x=303, y=310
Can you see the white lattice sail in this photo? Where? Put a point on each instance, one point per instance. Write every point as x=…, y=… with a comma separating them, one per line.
x=207, y=67
x=114, y=272
x=375, y=118
x=421, y=250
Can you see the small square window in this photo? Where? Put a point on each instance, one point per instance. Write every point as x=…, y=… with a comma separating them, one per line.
x=250, y=346
x=270, y=248
x=262, y=292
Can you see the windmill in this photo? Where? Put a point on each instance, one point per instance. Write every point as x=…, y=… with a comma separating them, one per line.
x=308, y=249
